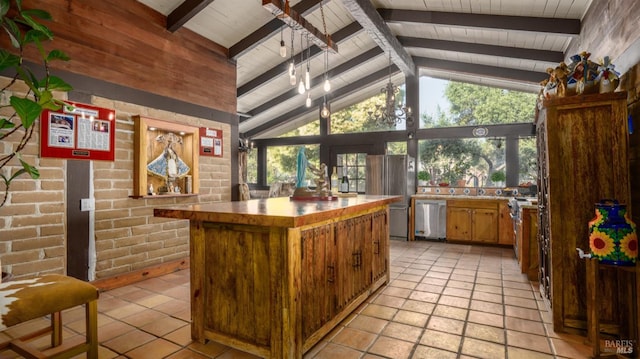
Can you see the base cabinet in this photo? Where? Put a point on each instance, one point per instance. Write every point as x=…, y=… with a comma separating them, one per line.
x=472, y=221
x=527, y=243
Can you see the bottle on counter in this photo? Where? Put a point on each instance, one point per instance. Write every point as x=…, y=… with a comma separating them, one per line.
x=344, y=184
x=334, y=179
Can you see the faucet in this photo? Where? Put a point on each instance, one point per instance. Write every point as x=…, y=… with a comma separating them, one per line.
x=475, y=180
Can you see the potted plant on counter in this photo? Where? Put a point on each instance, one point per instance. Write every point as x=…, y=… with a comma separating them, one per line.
x=498, y=178
x=423, y=178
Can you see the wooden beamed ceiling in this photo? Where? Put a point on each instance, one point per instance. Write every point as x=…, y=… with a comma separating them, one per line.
x=376, y=23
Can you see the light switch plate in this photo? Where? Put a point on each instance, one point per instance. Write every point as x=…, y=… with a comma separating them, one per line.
x=87, y=204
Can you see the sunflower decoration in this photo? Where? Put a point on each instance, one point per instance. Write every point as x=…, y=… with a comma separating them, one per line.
x=598, y=219
x=629, y=245
x=601, y=244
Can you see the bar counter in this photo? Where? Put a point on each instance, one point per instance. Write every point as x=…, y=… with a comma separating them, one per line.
x=273, y=276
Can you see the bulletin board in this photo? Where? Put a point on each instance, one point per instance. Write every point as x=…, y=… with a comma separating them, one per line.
x=210, y=142
x=85, y=132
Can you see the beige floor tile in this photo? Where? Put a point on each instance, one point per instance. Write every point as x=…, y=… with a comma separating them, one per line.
x=332, y=351
x=180, y=336
x=164, y=325
x=520, y=302
x=424, y=352
x=418, y=306
x=520, y=353
x=463, y=278
x=482, y=349
x=391, y=348
x=527, y=294
x=485, y=332
x=460, y=284
x=186, y=354
x=451, y=312
x=401, y=331
x=493, y=320
x=533, y=342
x=397, y=292
x=403, y=284
x=428, y=287
x=425, y=296
x=389, y=301
x=482, y=306
x=158, y=348
x=368, y=324
x=523, y=325
x=128, y=341
x=435, y=281
x=411, y=318
x=446, y=325
x=487, y=297
x=410, y=277
x=522, y=313
x=441, y=340
x=380, y=311
x=457, y=292
x=354, y=338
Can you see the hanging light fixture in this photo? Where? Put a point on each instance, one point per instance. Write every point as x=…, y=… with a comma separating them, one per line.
x=283, y=47
x=327, y=85
x=325, y=112
x=307, y=74
x=301, y=86
x=308, y=101
x=391, y=113
x=292, y=65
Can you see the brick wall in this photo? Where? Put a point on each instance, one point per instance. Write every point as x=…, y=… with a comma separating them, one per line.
x=127, y=236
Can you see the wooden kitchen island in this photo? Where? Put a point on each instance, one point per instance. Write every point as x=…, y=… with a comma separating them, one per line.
x=273, y=276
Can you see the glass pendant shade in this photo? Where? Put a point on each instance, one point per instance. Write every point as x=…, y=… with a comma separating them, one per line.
x=301, y=86
x=325, y=113
x=308, y=101
x=327, y=85
x=307, y=79
x=292, y=74
x=283, y=49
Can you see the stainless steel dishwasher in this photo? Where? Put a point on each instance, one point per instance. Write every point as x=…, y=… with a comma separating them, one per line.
x=431, y=219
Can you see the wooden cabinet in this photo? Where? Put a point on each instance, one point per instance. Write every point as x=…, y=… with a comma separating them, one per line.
x=582, y=158
x=527, y=243
x=473, y=220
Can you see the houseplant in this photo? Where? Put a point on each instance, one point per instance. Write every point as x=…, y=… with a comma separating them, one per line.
x=423, y=178
x=498, y=177
x=19, y=111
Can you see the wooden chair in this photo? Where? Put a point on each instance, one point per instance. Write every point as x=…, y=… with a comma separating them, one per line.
x=48, y=295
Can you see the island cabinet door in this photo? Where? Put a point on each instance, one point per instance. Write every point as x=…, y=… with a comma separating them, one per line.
x=380, y=245
x=352, y=274
x=485, y=225
x=318, y=275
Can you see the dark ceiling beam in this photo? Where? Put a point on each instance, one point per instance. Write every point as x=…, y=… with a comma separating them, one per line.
x=316, y=81
x=269, y=29
x=340, y=35
x=364, y=13
x=303, y=110
x=483, y=49
x=185, y=12
x=569, y=27
x=481, y=70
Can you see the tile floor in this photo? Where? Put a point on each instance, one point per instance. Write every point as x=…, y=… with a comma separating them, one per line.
x=444, y=301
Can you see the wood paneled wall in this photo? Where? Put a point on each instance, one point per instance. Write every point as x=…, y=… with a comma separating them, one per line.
x=125, y=42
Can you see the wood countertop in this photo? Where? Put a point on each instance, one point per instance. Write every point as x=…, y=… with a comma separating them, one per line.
x=274, y=212
x=459, y=197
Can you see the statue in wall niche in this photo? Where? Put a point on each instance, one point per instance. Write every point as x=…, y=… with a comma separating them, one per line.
x=168, y=164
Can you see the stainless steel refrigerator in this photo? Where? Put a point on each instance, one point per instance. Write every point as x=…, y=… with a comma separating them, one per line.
x=393, y=175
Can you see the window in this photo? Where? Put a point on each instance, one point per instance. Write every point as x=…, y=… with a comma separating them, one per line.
x=396, y=148
x=355, y=118
x=463, y=162
x=527, y=153
x=354, y=166
x=282, y=163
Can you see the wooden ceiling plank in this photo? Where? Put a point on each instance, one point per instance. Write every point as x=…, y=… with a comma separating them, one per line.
x=568, y=27
x=279, y=69
x=493, y=50
x=268, y=30
x=481, y=70
x=184, y=12
x=364, y=13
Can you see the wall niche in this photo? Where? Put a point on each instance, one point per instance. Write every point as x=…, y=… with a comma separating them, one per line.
x=165, y=159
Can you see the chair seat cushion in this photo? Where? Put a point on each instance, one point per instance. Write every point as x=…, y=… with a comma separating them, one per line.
x=28, y=299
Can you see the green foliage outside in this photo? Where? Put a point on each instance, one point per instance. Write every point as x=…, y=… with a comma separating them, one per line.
x=282, y=162
x=25, y=29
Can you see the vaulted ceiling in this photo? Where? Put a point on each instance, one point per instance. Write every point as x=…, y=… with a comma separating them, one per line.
x=503, y=43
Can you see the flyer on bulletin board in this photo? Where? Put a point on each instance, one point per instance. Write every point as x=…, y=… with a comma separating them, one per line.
x=80, y=132
x=210, y=142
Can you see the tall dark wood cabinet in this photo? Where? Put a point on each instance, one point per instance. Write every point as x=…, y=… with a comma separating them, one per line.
x=582, y=158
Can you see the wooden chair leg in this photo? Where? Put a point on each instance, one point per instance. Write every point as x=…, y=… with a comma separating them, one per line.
x=91, y=315
x=56, y=329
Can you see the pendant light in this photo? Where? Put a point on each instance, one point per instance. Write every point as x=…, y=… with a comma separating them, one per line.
x=308, y=101
x=301, y=86
x=283, y=47
x=292, y=65
x=327, y=85
x=325, y=112
x=307, y=74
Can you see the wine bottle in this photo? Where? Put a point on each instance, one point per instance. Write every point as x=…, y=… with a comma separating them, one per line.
x=334, y=179
x=344, y=184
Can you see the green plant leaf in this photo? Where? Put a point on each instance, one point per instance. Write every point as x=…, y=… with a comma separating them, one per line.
x=8, y=59
x=29, y=21
x=14, y=33
x=28, y=110
x=4, y=123
x=45, y=97
x=31, y=170
x=56, y=83
x=4, y=7
x=44, y=15
x=34, y=36
x=58, y=55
